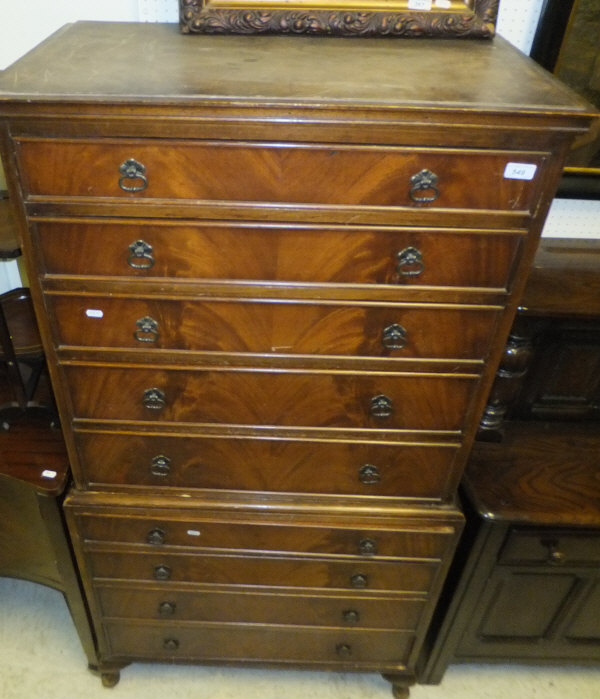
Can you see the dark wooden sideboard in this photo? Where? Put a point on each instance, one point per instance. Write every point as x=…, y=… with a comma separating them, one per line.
x=274, y=278
x=525, y=584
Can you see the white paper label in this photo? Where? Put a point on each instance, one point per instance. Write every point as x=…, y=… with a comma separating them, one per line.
x=443, y=4
x=424, y=5
x=47, y=473
x=94, y=313
x=520, y=171
x=193, y=532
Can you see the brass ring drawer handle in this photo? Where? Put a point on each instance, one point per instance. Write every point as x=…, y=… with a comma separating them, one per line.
x=154, y=399
x=171, y=644
x=162, y=572
x=132, y=171
x=156, y=536
x=359, y=581
x=394, y=337
x=410, y=262
x=381, y=406
x=369, y=474
x=147, y=330
x=160, y=465
x=367, y=547
x=423, y=188
x=343, y=650
x=140, y=255
x=167, y=608
x=350, y=616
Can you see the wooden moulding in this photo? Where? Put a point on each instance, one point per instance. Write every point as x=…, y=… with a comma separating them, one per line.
x=350, y=18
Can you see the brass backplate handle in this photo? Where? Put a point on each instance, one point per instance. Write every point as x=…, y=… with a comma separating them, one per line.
x=146, y=330
x=423, y=189
x=140, y=255
x=133, y=176
x=410, y=262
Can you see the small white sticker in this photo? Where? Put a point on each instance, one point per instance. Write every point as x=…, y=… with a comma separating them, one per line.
x=443, y=4
x=424, y=5
x=47, y=473
x=193, y=532
x=94, y=313
x=520, y=171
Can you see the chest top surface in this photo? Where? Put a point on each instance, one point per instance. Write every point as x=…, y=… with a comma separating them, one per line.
x=154, y=64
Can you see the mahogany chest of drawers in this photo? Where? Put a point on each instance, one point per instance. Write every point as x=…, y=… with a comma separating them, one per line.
x=274, y=278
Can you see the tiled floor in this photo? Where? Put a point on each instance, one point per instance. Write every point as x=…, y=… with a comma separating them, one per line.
x=40, y=657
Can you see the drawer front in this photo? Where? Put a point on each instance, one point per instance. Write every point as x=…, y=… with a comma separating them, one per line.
x=554, y=547
x=265, y=571
x=263, y=643
x=276, y=465
x=280, y=173
x=242, y=252
x=250, y=607
x=275, y=536
x=271, y=398
x=273, y=327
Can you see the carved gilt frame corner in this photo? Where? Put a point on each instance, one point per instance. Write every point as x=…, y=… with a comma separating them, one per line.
x=350, y=18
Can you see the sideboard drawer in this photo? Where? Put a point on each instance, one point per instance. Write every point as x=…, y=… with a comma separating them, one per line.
x=353, y=573
x=296, y=253
x=274, y=327
x=206, y=642
x=552, y=547
x=343, y=609
x=275, y=464
x=284, y=398
x=288, y=173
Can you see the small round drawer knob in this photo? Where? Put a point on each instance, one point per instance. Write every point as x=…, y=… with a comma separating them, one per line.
x=394, y=337
x=140, y=255
x=160, y=465
x=146, y=330
x=381, y=407
x=556, y=557
x=359, y=581
x=343, y=650
x=423, y=187
x=171, y=644
x=162, y=572
x=409, y=262
x=133, y=176
x=156, y=537
x=351, y=616
x=154, y=399
x=367, y=547
x=369, y=474
x=167, y=608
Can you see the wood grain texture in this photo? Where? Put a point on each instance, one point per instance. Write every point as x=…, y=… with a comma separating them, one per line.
x=273, y=327
x=291, y=253
x=251, y=397
x=279, y=173
x=249, y=463
x=264, y=643
x=225, y=604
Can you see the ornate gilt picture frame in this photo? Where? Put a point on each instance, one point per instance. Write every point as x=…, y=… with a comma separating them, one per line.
x=350, y=18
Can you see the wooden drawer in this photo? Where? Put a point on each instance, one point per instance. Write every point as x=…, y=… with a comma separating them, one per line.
x=551, y=546
x=173, y=604
x=279, y=173
x=278, y=465
x=163, y=531
x=271, y=397
x=213, y=642
x=244, y=252
x=273, y=327
x=118, y=563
